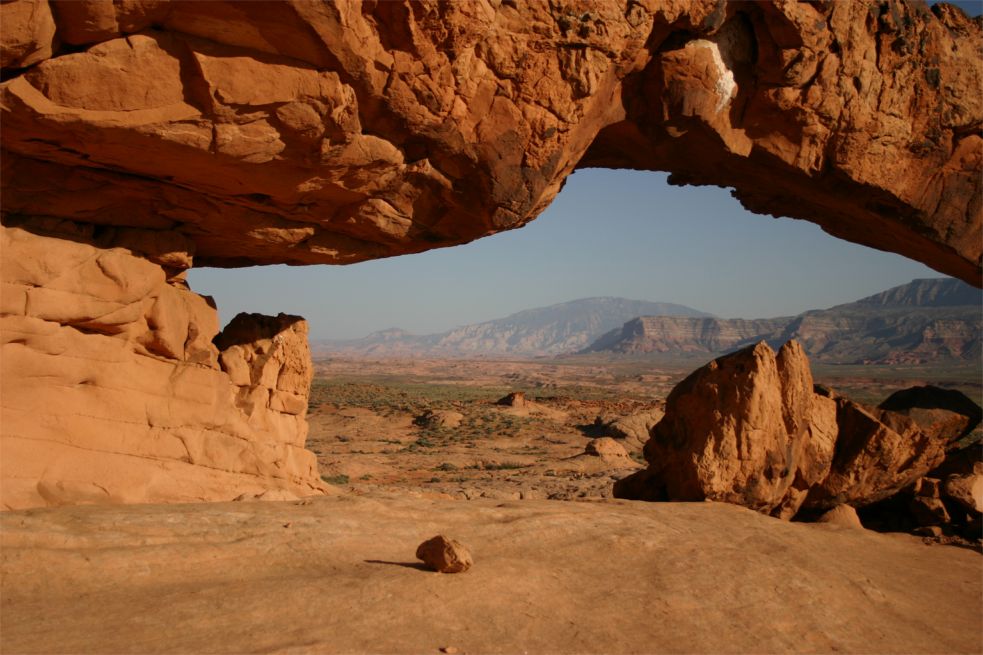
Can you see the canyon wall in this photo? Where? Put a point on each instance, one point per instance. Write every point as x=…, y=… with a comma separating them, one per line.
x=139, y=136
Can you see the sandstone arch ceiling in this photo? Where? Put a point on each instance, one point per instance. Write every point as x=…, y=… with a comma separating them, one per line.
x=313, y=132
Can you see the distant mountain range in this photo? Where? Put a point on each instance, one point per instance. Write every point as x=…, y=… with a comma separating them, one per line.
x=929, y=320
x=557, y=329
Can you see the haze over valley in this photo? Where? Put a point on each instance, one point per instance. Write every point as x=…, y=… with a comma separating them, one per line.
x=926, y=321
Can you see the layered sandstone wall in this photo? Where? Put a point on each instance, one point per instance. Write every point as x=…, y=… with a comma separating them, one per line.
x=111, y=389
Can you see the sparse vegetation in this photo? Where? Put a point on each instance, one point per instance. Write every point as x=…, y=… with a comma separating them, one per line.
x=503, y=466
x=501, y=450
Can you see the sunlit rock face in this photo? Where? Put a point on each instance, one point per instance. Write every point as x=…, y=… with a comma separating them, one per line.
x=309, y=132
x=750, y=428
x=112, y=390
x=141, y=136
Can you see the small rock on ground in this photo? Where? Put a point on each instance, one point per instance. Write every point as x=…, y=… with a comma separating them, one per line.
x=445, y=555
x=843, y=515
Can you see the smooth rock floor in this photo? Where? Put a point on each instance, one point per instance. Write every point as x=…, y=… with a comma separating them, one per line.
x=338, y=575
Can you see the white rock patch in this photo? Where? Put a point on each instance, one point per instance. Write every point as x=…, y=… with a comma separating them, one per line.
x=726, y=86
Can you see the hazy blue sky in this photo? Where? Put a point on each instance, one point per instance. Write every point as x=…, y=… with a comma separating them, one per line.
x=971, y=7
x=608, y=233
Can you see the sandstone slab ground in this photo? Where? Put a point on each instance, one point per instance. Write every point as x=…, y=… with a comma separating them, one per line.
x=338, y=574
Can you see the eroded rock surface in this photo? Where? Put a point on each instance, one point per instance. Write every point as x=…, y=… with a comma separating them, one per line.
x=946, y=413
x=112, y=389
x=842, y=515
x=745, y=429
x=878, y=453
x=238, y=133
x=751, y=429
x=307, y=132
x=724, y=580
x=445, y=555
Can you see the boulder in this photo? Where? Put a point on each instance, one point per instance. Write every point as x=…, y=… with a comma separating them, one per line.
x=606, y=448
x=514, y=399
x=744, y=429
x=878, y=453
x=751, y=428
x=966, y=490
x=439, y=418
x=445, y=555
x=941, y=413
x=633, y=429
x=28, y=34
x=842, y=515
x=926, y=506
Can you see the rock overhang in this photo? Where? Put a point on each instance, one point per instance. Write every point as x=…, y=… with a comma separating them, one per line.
x=307, y=133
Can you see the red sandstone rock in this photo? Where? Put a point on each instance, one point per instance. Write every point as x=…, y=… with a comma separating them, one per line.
x=28, y=33
x=633, y=429
x=748, y=429
x=606, y=448
x=445, y=555
x=842, y=515
x=514, y=399
x=945, y=413
x=328, y=133
x=112, y=389
x=303, y=133
x=878, y=454
x=967, y=490
x=745, y=429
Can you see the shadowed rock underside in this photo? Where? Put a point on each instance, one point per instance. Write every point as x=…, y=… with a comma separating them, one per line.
x=308, y=132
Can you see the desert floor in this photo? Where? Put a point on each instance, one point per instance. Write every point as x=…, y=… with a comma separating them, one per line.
x=337, y=574
x=559, y=565
x=362, y=420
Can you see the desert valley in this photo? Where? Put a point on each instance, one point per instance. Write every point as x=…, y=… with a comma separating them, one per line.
x=388, y=413
x=600, y=475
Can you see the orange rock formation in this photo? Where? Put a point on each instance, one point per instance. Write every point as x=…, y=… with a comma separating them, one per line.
x=113, y=391
x=749, y=429
x=139, y=136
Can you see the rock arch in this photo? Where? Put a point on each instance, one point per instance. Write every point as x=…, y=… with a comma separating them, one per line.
x=140, y=138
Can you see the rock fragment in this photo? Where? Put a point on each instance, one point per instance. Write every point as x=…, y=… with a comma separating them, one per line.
x=445, y=555
x=945, y=413
x=633, y=429
x=966, y=490
x=514, y=399
x=439, y=418
x=605, y=448
x=842, y=515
